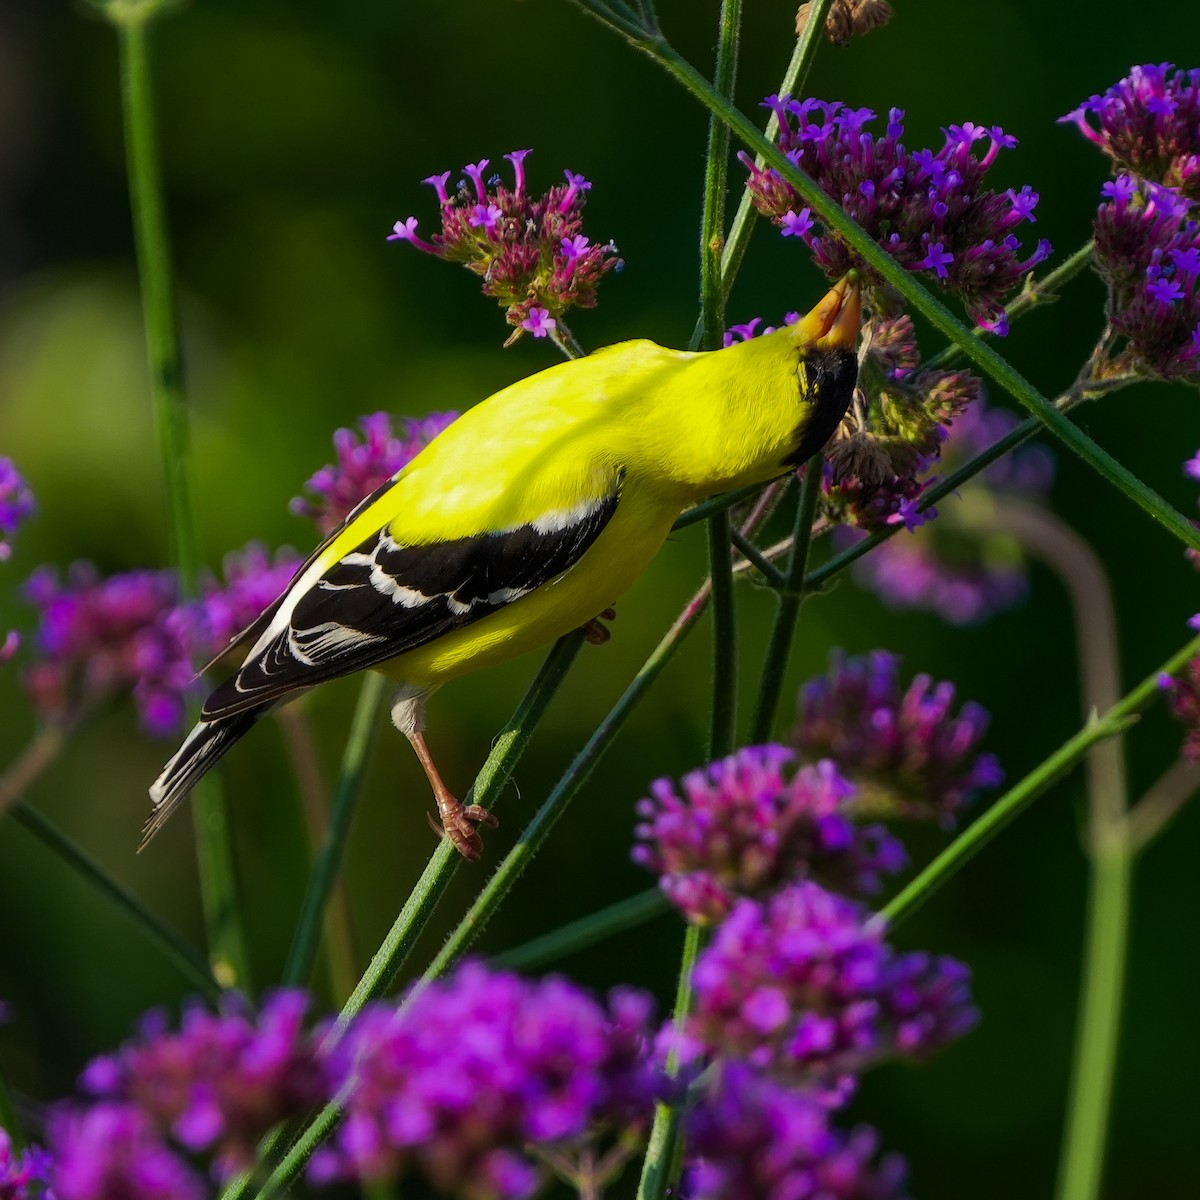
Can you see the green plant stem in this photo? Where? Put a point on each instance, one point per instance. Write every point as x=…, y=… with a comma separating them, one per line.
x=790, y=597
x=968, y=843
x=174, y=946
x=327, y=862
x=1147, y=819
x=882, y=264
x=706, y=508
x=587, y=931
x=214, y=844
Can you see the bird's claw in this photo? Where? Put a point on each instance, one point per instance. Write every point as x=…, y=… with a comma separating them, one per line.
x=596, y=634
x=458, y=823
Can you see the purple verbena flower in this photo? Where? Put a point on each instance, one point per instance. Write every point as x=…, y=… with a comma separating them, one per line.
x=750, y=329
x=469, y=1070
x=528, y=250
x=1149, y=125
x=740, y=828
x=907, y=752
x=930, y=211
x=1183, y=699
x=749, y=1138
x=877, y=465
x=24, y=1175
x=962, y=568
x=221, y=1081
x=363, y=466
x=115, y=1150
x=99, y=637
x=804, y=987
x=1148, y=252
x=253, y=580
x=16, y=504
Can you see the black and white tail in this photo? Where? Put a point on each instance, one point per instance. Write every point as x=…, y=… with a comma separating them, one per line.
x=196, y=757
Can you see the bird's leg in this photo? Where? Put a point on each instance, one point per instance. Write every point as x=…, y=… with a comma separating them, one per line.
x=458, y=819
x=595, y=633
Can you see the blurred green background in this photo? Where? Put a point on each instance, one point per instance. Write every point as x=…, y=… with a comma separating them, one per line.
x=293, y=135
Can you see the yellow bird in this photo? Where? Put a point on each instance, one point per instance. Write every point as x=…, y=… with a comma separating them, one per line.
x=528, y=516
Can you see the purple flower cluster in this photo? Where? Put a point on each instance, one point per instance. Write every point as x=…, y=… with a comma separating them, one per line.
x=115, y=1150
x=893, y=432
x=750, y=1138
x=750, y=329
x=742, y=829
x=24, y=1175
x=16, y=504
x=220, y=1082
x=99, y=637
x=529, y=251
x=456, y=1081
x=962, y=573
x=1148, y=252
x=929, y=210
x=1149, y=125
x=1183, y=699
x=907, y=751
x=804, y=987
x=364, y=465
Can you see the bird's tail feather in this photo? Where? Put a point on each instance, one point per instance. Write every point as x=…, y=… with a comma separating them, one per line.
x=207, y=742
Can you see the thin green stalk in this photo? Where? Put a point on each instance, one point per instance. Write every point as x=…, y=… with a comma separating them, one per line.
x=588, y=931
x=661, y=1164
x=565, y=790
x=790, y=597
x=865, y=248
x=761, y=563
x=706, y=508
x=174, y=946
x=327, y=862
x=723, y=718
x=968, y=843
x=214, y=843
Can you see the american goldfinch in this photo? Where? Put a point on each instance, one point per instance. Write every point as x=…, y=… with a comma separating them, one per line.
x=523, y=520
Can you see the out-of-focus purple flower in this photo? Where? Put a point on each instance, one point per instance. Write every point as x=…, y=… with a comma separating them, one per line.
x=457, y=1081
x=16, y=504
x=528, y=250
x=960, y=568
x=114, y=1150
x=1183, y=699
x=750, y=329
x=1148, y=252
x=741, y=829
x=220, y=1082
x=1149, y=125
x=907, y=752
x=930, y=211
x=364, y=465
x=749, y=1138
x=876, y=466
x=804, y=987
x=24, y=1175
x=252, y=581
x=99, y=637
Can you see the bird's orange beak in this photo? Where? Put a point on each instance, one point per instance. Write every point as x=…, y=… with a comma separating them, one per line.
x=834, y=321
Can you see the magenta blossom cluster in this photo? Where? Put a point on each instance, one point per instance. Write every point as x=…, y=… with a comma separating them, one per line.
x=116, y=1150
x=743, y=828
x=220, y=1082
x=24, y=1174
x=365, y=462
x=16, y=504
x=953, y=567
x=804, y=987
x=97, y=638
x=1183, y=699
x=750, y=1138
x=908, y=752
x=1148, y=252
x=1149, y=125
x=468, y=1071
x=530, y=251
x=750, y=329
x=929, y=210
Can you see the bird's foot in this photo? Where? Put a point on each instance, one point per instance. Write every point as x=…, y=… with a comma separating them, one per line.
x=594, y=632
x=458, y=823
